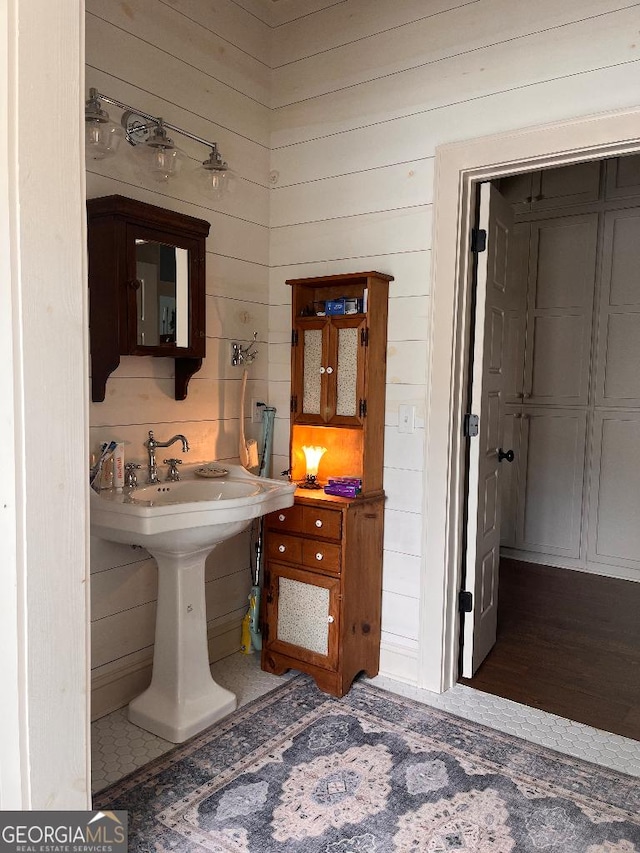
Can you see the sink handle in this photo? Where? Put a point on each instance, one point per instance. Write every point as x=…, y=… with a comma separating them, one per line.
x=130, y=478
x=172, y=474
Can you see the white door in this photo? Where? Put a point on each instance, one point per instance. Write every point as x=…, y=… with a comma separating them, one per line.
x=487, y=400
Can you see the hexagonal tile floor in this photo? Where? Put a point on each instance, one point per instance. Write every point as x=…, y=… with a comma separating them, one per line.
x=571, y=738
x=119, y=747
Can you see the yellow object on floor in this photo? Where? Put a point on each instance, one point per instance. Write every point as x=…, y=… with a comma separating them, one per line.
x=245, y=648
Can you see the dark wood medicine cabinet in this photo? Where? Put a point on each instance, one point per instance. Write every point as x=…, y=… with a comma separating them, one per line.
x=146, y=288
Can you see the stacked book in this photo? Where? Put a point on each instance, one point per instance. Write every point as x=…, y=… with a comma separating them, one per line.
x=344, y=487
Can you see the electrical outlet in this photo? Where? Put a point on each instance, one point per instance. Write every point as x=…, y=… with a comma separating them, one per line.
x=256, y=410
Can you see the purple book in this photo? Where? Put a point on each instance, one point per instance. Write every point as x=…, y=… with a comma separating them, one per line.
x=343, y=490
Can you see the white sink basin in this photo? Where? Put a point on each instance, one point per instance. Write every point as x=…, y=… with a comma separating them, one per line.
x=187, y=516
x=187, y=491
x=179, y=524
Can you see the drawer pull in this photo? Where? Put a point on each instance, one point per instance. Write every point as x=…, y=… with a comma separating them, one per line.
x=282, y=549
x=330, y=619
x=318, y=522
x=319, y=555
x=282, y=517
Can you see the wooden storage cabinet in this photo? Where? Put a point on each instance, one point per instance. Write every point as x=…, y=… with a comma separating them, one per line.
x=322, y=600
x=322, y=589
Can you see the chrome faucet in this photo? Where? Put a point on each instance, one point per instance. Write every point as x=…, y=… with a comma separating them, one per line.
x=151, y=444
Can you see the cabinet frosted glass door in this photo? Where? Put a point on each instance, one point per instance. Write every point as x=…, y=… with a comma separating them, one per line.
x=303, y=615
x=328, y=371
x=309, y=367
x=346, y=382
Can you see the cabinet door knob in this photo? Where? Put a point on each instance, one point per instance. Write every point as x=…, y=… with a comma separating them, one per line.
x=318, y=522
x=281, y=548
x=330, y=619
x=135, y=284
x=322, y=370
x=329, y=369
x=319, y=555
x=526, y=395
x=281, y=517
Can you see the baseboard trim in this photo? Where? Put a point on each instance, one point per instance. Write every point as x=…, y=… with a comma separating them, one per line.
x=605, y=570
x=117, y=687
x=399, y=663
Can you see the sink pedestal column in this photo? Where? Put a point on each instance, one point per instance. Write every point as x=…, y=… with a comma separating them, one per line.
x=183, y=699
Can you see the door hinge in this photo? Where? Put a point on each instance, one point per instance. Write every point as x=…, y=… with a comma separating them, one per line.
x=294, y=337
x=478, y=240
x=471, y=425
x=362, y=408
x=293, y=405
x=364, y=337
x=465, y=601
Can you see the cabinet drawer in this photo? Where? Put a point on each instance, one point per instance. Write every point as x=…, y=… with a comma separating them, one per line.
x=322, y=556
x=287, y=548
x=285, y=519
x=321, y=522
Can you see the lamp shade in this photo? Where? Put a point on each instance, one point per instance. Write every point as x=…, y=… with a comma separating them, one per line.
x=158, y=157
x=213, y=176
x=213, y=183
x=313, y=455
x=102, y=140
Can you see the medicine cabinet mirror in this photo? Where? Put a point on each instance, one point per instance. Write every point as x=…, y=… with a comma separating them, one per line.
x=146, y=288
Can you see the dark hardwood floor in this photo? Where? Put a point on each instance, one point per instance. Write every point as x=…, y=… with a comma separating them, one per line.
x=568, y=643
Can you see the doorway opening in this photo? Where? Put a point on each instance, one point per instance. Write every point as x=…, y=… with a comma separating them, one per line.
x=459, y=167
x=557, y=318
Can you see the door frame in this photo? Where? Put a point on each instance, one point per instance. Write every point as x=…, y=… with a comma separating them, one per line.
x=458, y=168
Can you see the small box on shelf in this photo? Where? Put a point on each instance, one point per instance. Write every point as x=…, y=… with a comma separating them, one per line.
x=334, y=306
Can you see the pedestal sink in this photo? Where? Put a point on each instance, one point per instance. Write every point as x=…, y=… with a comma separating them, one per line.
x=180, y=524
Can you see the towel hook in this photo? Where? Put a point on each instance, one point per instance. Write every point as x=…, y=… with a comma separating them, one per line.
x=244, y=355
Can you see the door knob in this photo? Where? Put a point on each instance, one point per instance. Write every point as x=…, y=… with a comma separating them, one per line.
x=509, y=455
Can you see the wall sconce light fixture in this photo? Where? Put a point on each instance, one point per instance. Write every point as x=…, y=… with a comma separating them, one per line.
x=155, y=151
x=312, y=456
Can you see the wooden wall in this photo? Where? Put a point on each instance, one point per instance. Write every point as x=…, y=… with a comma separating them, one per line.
x=362, y=95
x=206, y=70
x=330, y=113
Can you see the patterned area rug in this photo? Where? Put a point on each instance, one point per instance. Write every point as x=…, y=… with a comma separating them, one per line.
x=370, y=773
